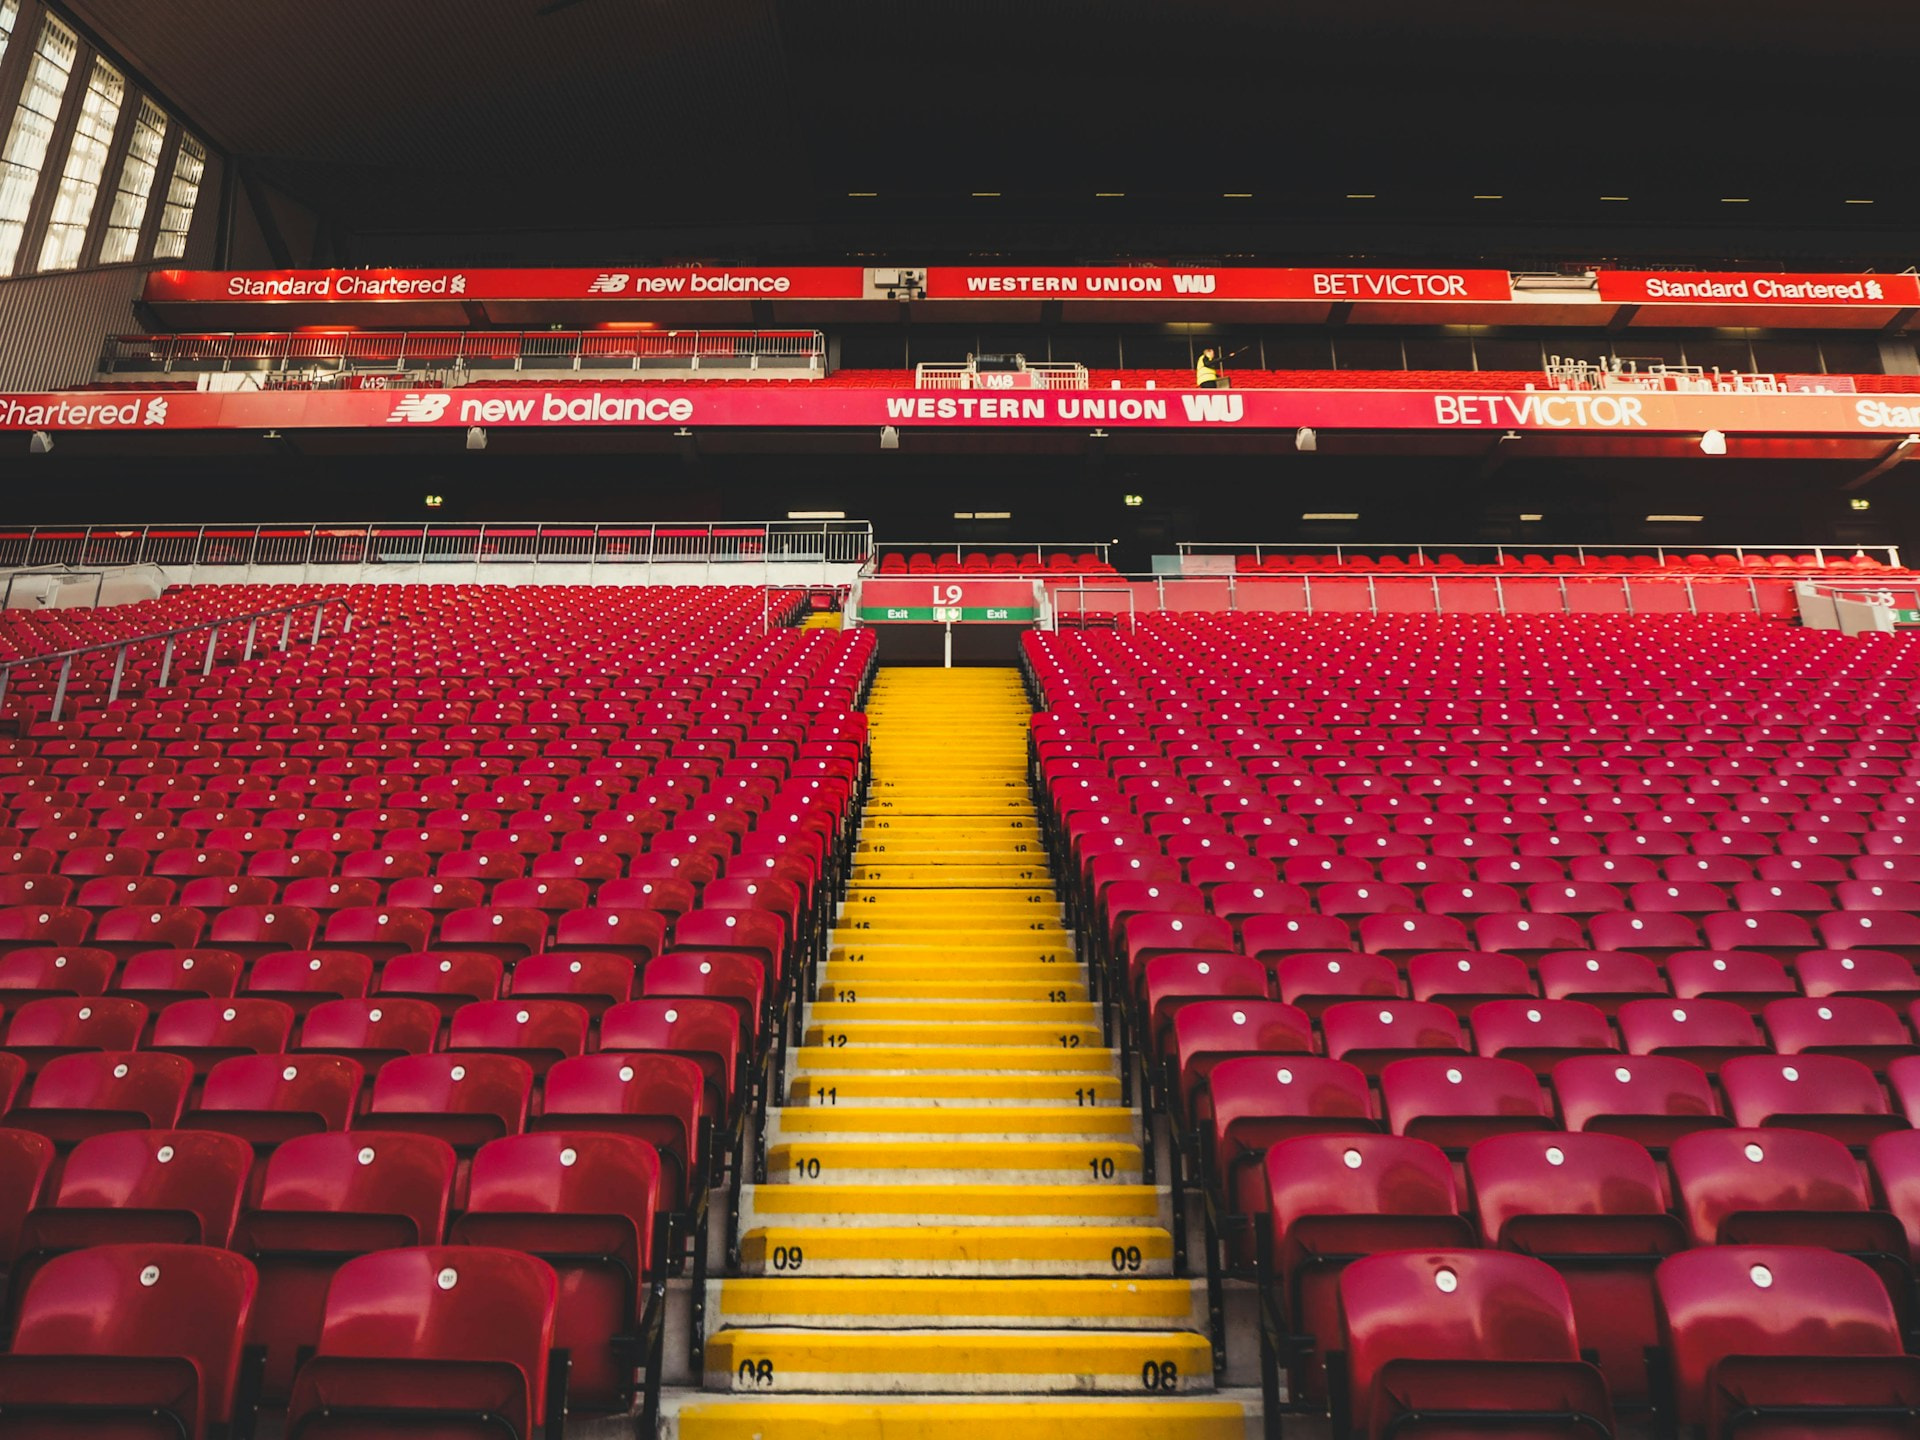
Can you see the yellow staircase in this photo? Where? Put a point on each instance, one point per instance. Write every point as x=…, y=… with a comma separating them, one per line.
x=954, y=1232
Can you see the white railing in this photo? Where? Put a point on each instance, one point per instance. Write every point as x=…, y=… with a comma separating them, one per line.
x=1488, y=554
x=1566, y=373
x=948, y=550
x=1038, y=375
x=369, y=546
x=401, y=351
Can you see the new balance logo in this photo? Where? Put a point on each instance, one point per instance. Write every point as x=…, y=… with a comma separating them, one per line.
x=419, y=409
x=614, y=284
x=1214, y=408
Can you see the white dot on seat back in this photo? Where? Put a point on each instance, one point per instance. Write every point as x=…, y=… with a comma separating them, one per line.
x=1556, y=1156
x=448, y=1278
x=1761, y=1277
x=1446, y=1281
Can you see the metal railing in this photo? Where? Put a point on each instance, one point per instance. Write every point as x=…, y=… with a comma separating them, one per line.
x=1033, y=375
x=1430, y=592
x=56, y=572
x=470, y=349
x=370, y=545
x=169, y=639
x=959, y=550
x=1483, y=553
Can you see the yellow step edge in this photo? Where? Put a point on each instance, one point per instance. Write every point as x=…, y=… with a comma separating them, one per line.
x=1098, y=1161
x=949, y=1034
x=820, y=1417
x=1085, y=1203
x=988, y=1360
x=1112, y=1247
x=909, y=964
x=868, y=990
x=848, y=1002
x=796, y=1123
x=927, y=1059
x=830, y=1298
x=827, y=1087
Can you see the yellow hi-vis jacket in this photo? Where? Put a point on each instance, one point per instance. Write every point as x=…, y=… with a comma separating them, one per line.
x=1206, y=371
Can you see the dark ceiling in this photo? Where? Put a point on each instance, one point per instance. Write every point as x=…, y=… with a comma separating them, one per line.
x=484, y=130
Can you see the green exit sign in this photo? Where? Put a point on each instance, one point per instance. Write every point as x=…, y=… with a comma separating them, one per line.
x=948, y=614
x=1906, y=617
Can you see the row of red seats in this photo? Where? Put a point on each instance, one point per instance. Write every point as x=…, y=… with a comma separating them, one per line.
x=1262, y=822
x=980, y=562
x=1813, y=566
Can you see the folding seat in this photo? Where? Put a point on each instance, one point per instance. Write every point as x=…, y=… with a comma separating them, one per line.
x=1207, y=1032
x=443, y=1340
x=1590, y=1205
x=1539, y=1034
x=752, y=933
x=391, y=866
x=586, y=1204
x=1527, y=934
x=671, y=898
x=135, y=1339
x=251, y=931
x=1829, y=1094
x=1461, y=980
x=508, y=934
x=1786, y=1187
x=194, y=863
x=1651, y=1099
x=1463, y=1342
x=705, y=1031
x=94, y=1092
x=1706, y=1033
x=109, y=892
x=540, y=1032
x=217, y=892
x=25, y=1160
x=635, y=936
x=1261, y=1100
x=1454, y=1101
x=1780, y=1340
x=1792, y=897
x=1607, y=979
x=465, y=1100
x=1860, y=1029
x=1332, y=1200
x=1770, y=931
x=436, y=894
x=555, y=896
x=42, y=1030
x=1575, y=899
x=324, y=1198
x=1172, y=981
x=166, y=1187
x=1412, y=934
x=1371, y=1034
x=206, y=1032
x=43, y=925
x=1268, y=937
x=266, y=1099
x=1893, y=1162
x=1649, y=934
x=159, y=978
x=1313, y=982
x=305, y=978
x=447, y=979
x=1881, y=930
x=1875, y=974
x=652, y=1097
x=325, y=894
x=594, y=981
x=1746, y=977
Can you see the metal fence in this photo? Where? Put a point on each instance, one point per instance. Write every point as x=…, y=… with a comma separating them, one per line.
x=930, y=375
x=472, y=349
x=950, y=550
x=121, y=650
x=368, y=545
x=1483, y=553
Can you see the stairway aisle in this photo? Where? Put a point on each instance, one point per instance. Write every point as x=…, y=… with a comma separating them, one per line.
x=954, y=1233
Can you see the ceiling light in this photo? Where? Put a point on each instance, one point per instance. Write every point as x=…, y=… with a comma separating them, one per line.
x=862, y=194
x=476, y=437
x=1238, y=195
x=816, y=514
x=986, y=194
x=1734, y=200
x=889, y=437
x=1675, y=519
x=434, y=502
x=40, y=443
x=1860, y=502
x=1489, y=197
x=1109, y=194
x=1613, y=197
x=1532, y=517
x=1714, y=442
x=993, y=514
x=1133, y=502
x=1859, y=202
x=1330, y=515
x=1363, y=197
x=1306, y=440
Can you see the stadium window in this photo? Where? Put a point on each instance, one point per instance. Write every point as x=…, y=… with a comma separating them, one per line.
x=1851, y=355
x=1521, y=352
x=1283, y=351
x=189, y=168
x=32, y=133
x=1368, y=352
x=1725, y=352
x=135, y=188
x=1096, y=351
x=1438, y=352
x=1787, y=355
x=86, y=165
x=1146, y=350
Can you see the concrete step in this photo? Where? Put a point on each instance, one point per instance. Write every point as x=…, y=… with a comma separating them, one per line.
x=994, y=1162
x=884, y=963
x=838, y=982
x=957, y=1059
x=831, y=1303
x=964, y=1362
x=834, y=1088
x=818, y=1206
x=1032, y=1251
x=845, y=1004
x=715, y=1417
x=919, y=875
x=895, y=903
x=845, y=1121
x=988, y=937
x=951, y=1033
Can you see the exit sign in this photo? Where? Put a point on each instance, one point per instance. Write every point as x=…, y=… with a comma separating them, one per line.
x=942, y=601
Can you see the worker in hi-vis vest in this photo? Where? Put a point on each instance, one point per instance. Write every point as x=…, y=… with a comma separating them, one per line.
x=1209, y=372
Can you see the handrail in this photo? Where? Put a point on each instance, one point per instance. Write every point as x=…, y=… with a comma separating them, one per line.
x=1500, y=551
x=125, y=645
x=64, y=572
x=961, y=548
x=363, y=543
x=392, y=350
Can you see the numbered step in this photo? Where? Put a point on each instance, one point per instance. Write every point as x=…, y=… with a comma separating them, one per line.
x=963, y=1159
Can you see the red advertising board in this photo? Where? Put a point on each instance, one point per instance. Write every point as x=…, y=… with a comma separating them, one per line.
x=610, y=283
x=945, y=282
x=828, y=407
x=1674, y=287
